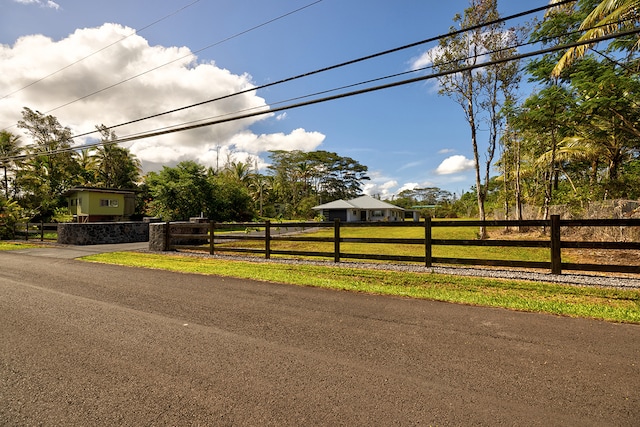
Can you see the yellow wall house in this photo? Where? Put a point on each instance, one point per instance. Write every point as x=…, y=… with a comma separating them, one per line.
x=90, y=204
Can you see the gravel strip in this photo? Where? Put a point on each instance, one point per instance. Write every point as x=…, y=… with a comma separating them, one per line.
x=570, y=279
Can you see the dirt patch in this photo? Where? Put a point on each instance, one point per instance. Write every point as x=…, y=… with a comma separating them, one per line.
x=583, y=256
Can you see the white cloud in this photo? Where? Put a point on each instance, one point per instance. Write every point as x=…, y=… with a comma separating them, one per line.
x=382, y=190
x=410, y=165
x=298, y=139
x=446, y=151
x=388, y=188
x=454, y=164
x=408, y=186
x=422, y=61
x=184, y=81
x=50, y=4
x=379, y=185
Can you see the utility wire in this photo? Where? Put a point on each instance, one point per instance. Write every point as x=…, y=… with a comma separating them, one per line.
x=99, y=50
x=192, y=54
x=342, y=64
x=381, y=87
x=159, y=66
x=478, y=26
x=177, y=126
x=338, y=96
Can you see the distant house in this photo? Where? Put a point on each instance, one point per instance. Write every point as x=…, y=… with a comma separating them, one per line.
x=363, y=208
x=91, y=204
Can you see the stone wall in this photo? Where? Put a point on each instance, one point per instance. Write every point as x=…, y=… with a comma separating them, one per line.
x=158, y=234
x=96, y=233
x=157, y=237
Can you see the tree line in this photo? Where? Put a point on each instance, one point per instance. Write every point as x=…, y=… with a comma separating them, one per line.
x=36, y=177
x=576, y=138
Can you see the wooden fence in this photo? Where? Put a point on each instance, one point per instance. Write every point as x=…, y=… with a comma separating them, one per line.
x=35, y=230
x=209, y=236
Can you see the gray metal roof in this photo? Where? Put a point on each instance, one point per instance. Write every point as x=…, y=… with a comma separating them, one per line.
x=336, y=204
x=362, y=202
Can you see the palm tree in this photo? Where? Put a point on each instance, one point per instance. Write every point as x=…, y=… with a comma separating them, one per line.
x=8, y=148
x=608, y=17
x=88, y=166
x=240, y=171
x=116, y=167
x=259, y=185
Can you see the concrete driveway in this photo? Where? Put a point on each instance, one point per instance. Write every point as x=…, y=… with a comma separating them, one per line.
x=76, y=251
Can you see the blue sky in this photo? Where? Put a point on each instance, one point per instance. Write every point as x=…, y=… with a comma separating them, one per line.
x=407, y=136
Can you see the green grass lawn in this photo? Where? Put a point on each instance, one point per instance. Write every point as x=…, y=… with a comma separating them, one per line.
x=564, y=300
x=457, y=233
x=10, y=246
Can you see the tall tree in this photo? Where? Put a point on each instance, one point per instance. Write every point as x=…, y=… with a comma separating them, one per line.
x=117, y=167
x=302, y=180
x=239, y=171
x=180, y=192
x=547, y=115
x=479, y=91
x=259, y=188
x=9, y=147
x=50, y=168
x=88, y=164
x=606, y=116
x=338, y=177
x=603, y=18
x=187, y=190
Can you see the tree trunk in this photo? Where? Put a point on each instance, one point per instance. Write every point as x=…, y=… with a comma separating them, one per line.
x=505, y=181
x=518, y=189
x=6, y=182
x=550, y=178
x=480, y=191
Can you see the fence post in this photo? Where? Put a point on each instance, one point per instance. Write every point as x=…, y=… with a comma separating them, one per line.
x=556, y=255
x=212, y=227
x=427, y=242
x=26, y=231
x=336, y=240
x=42, y=231
x=167, y=236
x=267, y=239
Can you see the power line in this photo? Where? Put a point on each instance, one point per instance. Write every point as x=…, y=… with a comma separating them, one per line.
x=179, y=127
x=384, y=86
x=192, y=54
x=457, y=32
x=99, y=50
x=338, y=96
x=341, y=64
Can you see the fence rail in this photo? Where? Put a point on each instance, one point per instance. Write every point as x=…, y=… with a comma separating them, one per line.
x=35, y=230
x=211, y=237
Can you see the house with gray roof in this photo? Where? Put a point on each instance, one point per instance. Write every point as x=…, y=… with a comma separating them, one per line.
x=363, y=208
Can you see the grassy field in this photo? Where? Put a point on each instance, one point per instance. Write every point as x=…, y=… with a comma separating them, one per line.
x=586, y=302
x=10, y=246
x=457, y=233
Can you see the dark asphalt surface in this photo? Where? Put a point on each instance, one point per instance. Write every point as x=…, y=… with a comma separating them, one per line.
x=88, y=344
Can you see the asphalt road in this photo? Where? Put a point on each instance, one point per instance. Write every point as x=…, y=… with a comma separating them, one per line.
x=87, y=344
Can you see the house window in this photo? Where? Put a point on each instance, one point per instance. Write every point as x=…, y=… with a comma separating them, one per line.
x=376, y=213
x=108, y=203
